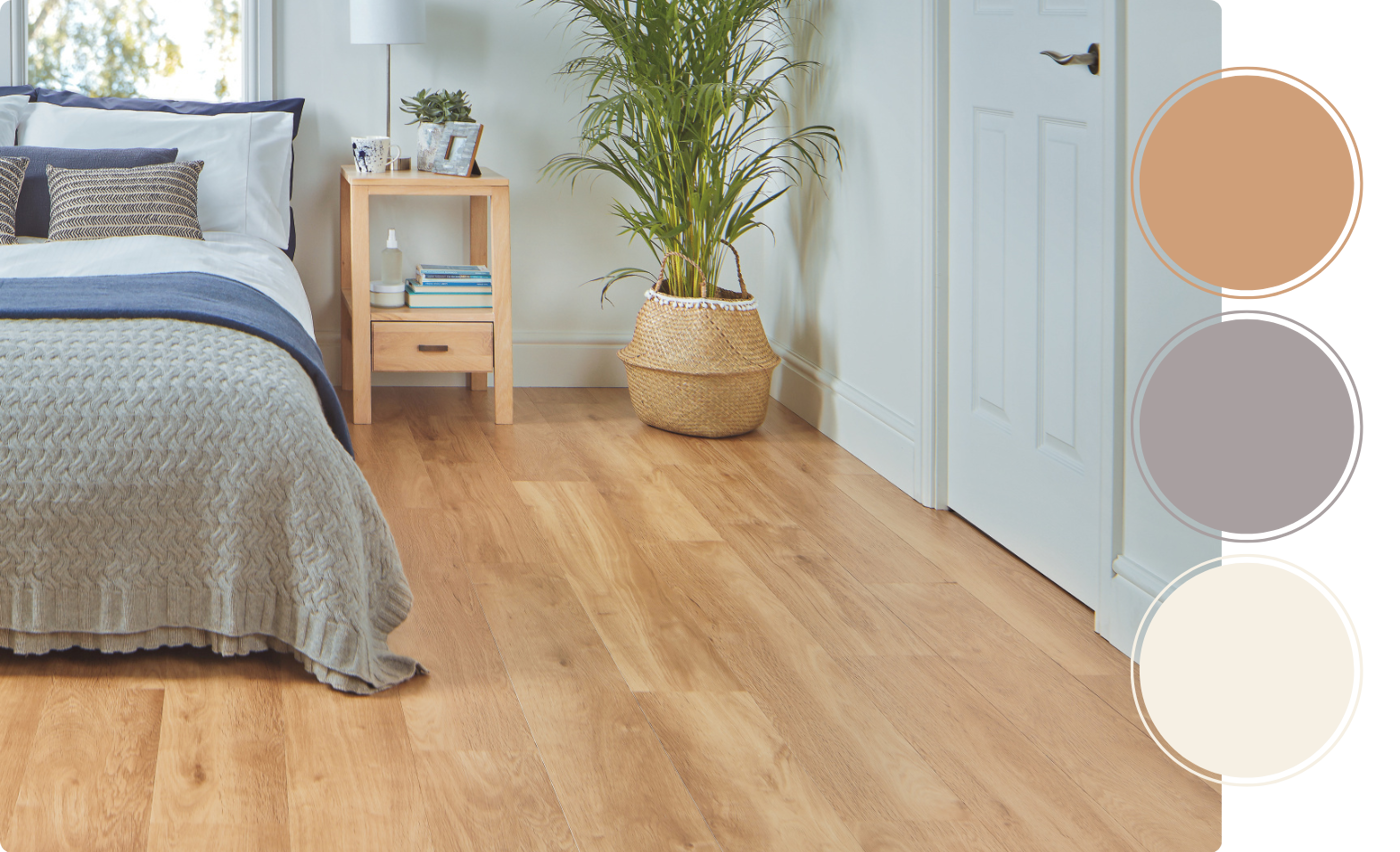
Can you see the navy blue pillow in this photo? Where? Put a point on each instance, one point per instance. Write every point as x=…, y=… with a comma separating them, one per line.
x=291, y=105
x=32, y=216
x=17, y=90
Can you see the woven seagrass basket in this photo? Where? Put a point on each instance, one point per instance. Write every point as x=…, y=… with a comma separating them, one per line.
x=700, y=367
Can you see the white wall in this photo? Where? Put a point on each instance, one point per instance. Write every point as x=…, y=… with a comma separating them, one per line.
x=1169, y=42
x=848, y=290
x=504, y=54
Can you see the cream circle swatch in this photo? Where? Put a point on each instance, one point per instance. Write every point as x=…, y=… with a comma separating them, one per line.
x=1249, y=669
x=1246, y=426
x=1246, y=182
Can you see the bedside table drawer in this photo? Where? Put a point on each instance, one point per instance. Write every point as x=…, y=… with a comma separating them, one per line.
x=432, y=347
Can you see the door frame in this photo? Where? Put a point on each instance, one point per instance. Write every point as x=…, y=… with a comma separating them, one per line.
x=932, y=460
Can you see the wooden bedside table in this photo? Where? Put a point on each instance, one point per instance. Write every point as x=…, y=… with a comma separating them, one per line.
x=432, y=340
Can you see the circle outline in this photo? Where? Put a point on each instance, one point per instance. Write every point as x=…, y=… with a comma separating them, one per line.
x=1353, y=460
x=1358, y=670
x=1222, y=291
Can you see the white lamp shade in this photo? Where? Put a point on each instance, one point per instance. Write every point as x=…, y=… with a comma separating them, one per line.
x=388, y=22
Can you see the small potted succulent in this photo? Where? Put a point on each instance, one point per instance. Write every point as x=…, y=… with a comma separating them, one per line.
x=438, y=115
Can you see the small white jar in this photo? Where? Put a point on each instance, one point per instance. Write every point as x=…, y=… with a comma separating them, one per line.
x=387, y=295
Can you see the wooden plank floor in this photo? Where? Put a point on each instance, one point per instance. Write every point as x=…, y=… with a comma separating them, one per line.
x=639, y=642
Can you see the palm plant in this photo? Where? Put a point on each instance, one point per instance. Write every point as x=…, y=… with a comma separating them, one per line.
x=681, y=101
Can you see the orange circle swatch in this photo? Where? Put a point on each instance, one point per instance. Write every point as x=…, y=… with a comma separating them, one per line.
x=1246, y=184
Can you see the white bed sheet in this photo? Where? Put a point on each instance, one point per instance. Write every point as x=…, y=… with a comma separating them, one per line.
x=250, y=260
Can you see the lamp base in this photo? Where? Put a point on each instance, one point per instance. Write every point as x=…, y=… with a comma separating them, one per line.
x=402, y=164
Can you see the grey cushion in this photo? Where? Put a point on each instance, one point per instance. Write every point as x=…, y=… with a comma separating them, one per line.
x=11, y=179
x=93, y=204
x=32, y=218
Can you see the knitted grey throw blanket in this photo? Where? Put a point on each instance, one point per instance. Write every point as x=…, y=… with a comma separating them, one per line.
x=165, y=482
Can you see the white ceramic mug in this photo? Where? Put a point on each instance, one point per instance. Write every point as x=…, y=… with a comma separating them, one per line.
x=373, y=153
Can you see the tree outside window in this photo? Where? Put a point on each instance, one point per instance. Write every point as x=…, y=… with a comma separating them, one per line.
x=182, y=49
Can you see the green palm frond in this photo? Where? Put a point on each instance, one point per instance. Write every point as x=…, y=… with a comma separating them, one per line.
x=681, y=97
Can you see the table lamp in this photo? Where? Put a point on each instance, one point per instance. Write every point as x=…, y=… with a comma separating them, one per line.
x=388, y=22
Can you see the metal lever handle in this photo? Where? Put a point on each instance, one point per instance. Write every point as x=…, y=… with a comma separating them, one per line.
x=424, y=347
x=1090, y=59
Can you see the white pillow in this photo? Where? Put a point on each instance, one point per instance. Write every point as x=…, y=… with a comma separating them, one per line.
x=246, y=185
x=13, y=109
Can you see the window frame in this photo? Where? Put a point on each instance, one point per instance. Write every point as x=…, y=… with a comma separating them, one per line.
x=257, y=46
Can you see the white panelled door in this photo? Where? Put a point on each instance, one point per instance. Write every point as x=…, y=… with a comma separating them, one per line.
x=1027, y=286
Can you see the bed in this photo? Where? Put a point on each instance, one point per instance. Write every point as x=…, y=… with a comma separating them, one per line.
x=175, y=468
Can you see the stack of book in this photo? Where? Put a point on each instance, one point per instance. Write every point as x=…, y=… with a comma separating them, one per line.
x=450, y=287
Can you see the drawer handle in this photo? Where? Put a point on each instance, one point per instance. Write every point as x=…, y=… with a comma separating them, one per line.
x=426, y=347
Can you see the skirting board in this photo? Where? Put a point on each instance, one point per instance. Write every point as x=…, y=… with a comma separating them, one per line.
x=862, y=426
x=1130, y=595
x=541, y=361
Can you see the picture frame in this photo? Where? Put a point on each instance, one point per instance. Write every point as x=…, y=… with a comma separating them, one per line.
x=457, y=148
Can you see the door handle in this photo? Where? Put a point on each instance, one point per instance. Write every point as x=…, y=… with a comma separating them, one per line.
x=427, y=347
x=1090, y=59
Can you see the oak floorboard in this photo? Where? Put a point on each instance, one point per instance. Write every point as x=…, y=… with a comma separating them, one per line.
x=840, y=613
x=726, y=495
x=443, y=429
x=1117, y=691
x=494, y=524
x=221, y=771
x=484, y=784
x=560, y=396
x=1023, y=799
x=1161, y=805
x=528, y=450
x=650, y=508
x=22, y=699
x=656, y=642
x=796, y=440
x=88, y=779
x=466, y=703
x=389, y=458
x=660, y=447
x=754, y=794
x=352, y=781
x=208, y=837
x=852, y=535
x=925, y=836
x=614, y=781
x=644, y=503
x=863, y=766
x=1025, y=599
x=145, y=670
x=486, y=801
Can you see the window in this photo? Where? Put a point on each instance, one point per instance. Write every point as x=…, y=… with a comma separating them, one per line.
x=202, y=50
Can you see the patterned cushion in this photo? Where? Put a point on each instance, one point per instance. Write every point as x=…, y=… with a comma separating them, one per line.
x=93, y=204
x=11, y=179
x=32, y=215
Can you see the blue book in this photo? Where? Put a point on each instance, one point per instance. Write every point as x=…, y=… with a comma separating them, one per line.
x=453, y=271
x=415, y=287
x=471, y=286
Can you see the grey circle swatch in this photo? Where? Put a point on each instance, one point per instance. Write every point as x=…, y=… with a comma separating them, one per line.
x=1245, y=426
